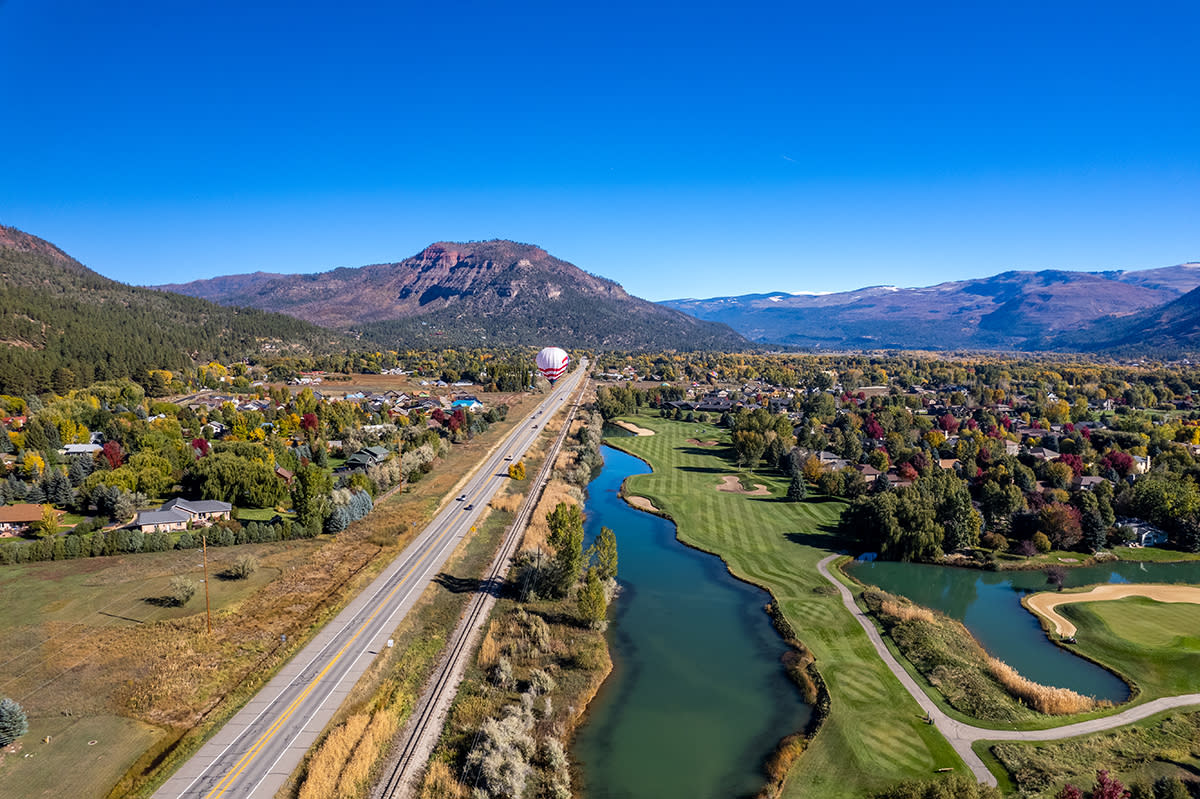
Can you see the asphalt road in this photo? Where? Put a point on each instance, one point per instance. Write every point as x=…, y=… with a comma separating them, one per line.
x=961, y=736
x=258, y=749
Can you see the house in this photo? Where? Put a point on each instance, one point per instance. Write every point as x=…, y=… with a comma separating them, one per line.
x=1141, y=464
x=367, y=456
x=1043, y=454
x=81, y=449
x=1087, y=483
x=285, y=475
x=15, y=519
x=177, y=514
x=467, y=403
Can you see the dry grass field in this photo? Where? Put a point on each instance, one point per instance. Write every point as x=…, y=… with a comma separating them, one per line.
x=156, y=665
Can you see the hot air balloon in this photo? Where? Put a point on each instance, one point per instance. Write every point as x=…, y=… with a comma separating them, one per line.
x=552, y=363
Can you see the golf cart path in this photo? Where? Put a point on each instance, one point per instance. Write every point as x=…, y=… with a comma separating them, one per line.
x=961, y=735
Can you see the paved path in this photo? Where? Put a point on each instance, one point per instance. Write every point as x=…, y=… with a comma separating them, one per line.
x=961, y=735
x=258, y=749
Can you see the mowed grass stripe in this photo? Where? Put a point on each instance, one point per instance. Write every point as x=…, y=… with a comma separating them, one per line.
x=875, y=734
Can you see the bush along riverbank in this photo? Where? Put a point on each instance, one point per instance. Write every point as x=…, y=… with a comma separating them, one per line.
x=543, y=656
x=801, y=667
x=954, y=663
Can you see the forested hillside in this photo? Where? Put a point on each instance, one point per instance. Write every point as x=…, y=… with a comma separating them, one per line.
x=65, y=326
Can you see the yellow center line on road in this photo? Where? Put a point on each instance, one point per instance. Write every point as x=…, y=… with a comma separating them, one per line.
x=226, y=782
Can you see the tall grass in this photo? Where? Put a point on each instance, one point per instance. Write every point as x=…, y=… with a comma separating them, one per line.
x=906, y=612
x=441, y=782
x=1042, y=698
x=952, y=660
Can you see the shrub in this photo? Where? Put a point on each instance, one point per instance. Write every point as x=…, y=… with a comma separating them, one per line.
x=502, y=754
x=243, y=567
x=502, y=674
x=13, y=722
x=1041, y=542
x=994, y=541
x=181, y=590
x=540, y=682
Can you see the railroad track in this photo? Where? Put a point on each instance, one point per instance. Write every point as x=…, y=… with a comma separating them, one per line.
x=422, y=731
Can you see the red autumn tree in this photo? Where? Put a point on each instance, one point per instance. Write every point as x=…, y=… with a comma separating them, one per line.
x=112, y=454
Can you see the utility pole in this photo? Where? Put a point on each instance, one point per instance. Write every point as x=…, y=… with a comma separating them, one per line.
x=207, y=605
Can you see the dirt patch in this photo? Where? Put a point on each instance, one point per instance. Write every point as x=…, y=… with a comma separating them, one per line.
x=731, y=484
x=633, y=428
x=641, y=503
x=697, y=442
x=1044, y=604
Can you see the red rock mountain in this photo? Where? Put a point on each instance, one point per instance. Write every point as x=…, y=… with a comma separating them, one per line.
x=494, y=291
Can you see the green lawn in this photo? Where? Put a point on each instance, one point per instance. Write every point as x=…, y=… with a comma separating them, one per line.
x=1153, y=554
x=261, y=514
x=874, y=735
x=1155, y=645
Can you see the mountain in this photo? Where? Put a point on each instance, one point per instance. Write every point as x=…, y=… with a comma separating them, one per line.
x=450, y=293
x=1169, y=329
x=1012, y=310
x=65, y=325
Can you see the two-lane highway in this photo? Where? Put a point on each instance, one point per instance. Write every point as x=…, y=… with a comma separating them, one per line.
x=256, y=750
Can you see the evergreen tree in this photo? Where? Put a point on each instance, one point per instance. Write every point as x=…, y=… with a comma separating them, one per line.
x=13, y=723
x=81, y=466
x=797, y=490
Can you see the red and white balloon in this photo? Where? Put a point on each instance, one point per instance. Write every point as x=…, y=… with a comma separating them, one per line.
x=552, y=363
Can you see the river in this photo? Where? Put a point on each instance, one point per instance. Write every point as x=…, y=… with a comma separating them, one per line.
x=697, y=697
x=989, y=604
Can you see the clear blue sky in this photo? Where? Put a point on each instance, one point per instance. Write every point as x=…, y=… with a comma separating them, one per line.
x=682, y=149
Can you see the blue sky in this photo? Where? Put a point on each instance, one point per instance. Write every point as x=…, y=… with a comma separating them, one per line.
x=682, y=149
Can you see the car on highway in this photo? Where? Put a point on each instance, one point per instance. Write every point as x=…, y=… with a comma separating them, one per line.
x=460, y=497
x=508, y=457
x=470, y=507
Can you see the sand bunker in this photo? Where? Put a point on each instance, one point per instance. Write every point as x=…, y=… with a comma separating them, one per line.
x=641, y=503
x=700, y=443
x=733, y=486
x=1044, y=604
x=633, y=428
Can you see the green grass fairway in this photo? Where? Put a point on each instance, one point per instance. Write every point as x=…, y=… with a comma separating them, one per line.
x=1156, y=645
x=874, y=735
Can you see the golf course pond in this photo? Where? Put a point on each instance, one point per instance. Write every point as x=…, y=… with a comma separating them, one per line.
x=698, y=696
x=989, y=604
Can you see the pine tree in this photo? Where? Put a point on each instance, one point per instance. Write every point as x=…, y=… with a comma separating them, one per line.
x=797, y=490
x=13, y=723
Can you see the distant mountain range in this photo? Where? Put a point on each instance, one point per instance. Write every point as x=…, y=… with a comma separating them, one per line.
x=456, y=294
x=1057, y=310
x=66, y=326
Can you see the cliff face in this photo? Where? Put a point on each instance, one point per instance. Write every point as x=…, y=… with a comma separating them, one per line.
x=498, y=291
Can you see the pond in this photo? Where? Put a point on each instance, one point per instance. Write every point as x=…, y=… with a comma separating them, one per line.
x=989, y=604
x=697, y=697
